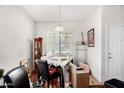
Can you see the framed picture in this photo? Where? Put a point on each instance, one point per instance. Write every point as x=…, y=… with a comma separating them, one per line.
x=90, y=35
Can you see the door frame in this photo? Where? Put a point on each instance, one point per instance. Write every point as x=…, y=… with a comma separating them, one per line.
x=107, y=47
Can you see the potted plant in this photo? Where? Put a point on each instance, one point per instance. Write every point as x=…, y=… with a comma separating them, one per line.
x=1, y=73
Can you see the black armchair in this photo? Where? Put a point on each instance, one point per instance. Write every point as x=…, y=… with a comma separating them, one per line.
x=17, y=78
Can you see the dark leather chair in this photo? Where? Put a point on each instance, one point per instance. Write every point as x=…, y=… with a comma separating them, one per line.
x=50, y=73
x=17, y=78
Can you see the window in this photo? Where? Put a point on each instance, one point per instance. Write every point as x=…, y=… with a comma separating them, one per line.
x=53, y=42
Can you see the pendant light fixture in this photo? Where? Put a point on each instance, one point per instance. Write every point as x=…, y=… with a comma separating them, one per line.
x=59, y=28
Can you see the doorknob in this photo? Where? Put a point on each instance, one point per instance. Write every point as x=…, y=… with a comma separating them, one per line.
x=109, y=53
x=109, y=57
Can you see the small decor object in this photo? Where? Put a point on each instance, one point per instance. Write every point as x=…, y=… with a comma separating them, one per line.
x=83, y=43
x=1, y=73
x=90, y=35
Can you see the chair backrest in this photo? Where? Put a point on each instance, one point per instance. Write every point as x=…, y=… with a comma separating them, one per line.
x=25, y=62
x=17, y=78
x=43, y=69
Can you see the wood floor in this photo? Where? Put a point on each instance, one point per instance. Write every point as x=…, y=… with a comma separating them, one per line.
x=93, y=83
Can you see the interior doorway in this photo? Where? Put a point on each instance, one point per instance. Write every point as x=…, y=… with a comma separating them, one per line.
x=115, y=53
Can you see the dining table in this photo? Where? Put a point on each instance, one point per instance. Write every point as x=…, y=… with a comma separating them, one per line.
x=60, y=60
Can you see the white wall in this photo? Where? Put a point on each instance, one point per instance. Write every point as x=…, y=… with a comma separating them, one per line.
x=94, y=53
x=110, y=15
x=43, y=27
x=16, y=30
x=106, y=15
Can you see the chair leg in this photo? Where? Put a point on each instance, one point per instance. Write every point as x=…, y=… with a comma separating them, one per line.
x=52, y=83
x=48, y=83
x=62, y=80
x=60, y=83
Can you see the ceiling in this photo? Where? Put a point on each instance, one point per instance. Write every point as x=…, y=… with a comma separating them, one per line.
x=68, y=13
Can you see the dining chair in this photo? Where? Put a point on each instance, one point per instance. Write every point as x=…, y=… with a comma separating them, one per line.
x=50, y=73
x=25, y=62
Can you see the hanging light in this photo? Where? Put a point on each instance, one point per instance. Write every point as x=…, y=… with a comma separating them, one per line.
x=59, y=28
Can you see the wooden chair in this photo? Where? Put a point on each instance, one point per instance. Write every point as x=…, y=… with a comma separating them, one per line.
x=25, y=62
x=79, y=77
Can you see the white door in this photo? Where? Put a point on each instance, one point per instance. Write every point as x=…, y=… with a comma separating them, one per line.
x=116, y=52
